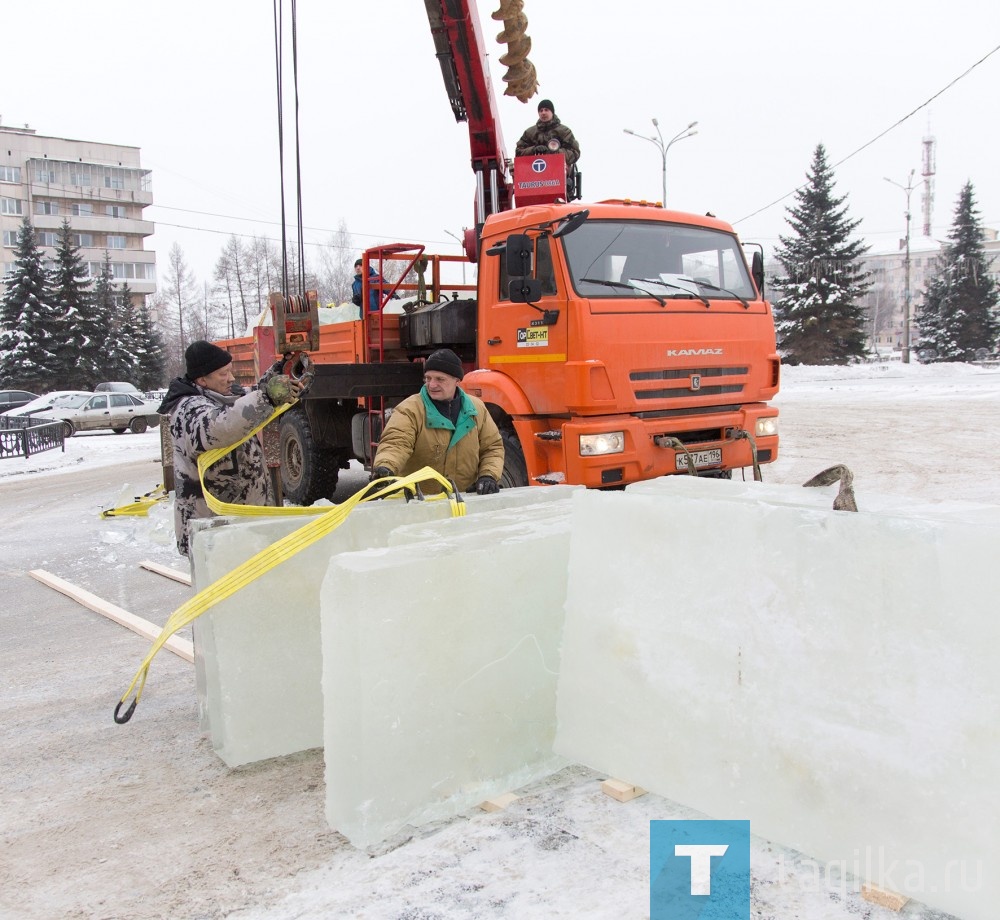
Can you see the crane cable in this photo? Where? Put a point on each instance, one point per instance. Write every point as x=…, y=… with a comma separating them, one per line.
x=279, y=78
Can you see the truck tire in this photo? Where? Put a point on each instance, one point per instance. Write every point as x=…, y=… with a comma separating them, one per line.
x=307, y=472
x=515, y=470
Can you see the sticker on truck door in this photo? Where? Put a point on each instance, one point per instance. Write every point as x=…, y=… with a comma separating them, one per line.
x=536, y=337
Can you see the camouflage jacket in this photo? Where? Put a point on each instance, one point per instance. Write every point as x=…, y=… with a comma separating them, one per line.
x=536, y=140
x=201, y=420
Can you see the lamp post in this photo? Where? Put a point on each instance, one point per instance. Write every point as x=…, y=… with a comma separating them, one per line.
x=908, y=190
x=664, y=147
x=461, y=246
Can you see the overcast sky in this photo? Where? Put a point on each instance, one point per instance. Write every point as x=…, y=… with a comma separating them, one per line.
x=193, y=85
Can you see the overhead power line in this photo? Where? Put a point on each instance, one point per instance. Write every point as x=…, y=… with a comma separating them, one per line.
x=891, y=127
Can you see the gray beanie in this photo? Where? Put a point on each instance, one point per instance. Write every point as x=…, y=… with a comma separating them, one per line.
x=446, y=361
x=201, y=358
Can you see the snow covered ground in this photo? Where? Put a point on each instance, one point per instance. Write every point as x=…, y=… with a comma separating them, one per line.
x=144, y=820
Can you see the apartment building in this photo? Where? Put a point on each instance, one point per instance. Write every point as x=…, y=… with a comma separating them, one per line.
x=100, y=188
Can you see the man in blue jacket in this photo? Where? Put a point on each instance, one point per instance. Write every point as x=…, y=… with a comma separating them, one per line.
x=374, y=279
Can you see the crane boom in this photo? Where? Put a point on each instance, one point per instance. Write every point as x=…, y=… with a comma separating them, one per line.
x=461, y=52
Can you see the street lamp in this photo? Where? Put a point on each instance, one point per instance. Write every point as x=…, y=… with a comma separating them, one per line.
x=908, y=189
x=663, y=148
x=461, y=246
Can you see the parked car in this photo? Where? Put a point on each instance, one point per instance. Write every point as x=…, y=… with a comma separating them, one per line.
x=14, y=399
x=117, y=411
x=118, y=386
x=66, y=399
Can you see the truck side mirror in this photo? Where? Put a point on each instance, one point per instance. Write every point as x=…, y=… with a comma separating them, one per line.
x=518, y=254
x=757, y=272
x=524, y=290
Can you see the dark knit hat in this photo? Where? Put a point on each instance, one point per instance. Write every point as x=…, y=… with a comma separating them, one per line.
x=203, y=357
x=446, y=361
x=547, y=104
x=357, y=263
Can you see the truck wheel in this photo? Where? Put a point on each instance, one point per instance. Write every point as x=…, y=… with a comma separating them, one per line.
x=138, y=425
x=307, y=472
x=515, y=470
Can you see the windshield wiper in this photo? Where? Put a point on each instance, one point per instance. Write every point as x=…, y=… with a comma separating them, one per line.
x=733, y=294
x=627, y=286
x=677, y=287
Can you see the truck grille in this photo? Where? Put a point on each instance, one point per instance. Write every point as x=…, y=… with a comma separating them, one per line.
x=690, y=380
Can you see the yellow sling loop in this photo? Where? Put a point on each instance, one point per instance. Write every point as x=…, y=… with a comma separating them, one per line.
x=327, y=520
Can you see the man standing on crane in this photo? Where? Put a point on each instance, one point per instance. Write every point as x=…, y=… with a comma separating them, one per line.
x=549, y=135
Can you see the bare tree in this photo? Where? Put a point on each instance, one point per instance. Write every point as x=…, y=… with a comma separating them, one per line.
x=180, y=292
x=336, y=267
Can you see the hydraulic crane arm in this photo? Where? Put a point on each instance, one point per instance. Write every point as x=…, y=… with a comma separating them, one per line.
x=461, y=52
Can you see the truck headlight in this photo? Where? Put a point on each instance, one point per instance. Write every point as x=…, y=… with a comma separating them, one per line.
x=766, y=427
x=594, y=445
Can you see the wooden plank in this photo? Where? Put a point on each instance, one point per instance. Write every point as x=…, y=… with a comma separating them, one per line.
x=621, y=791
x=166, y=572
x=499, y=802
x=180, y=647
x=883, y=897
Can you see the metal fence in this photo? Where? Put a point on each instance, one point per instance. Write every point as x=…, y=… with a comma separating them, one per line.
x=22, y=436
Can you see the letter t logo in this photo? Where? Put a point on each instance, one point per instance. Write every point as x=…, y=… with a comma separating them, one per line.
x=701, y=863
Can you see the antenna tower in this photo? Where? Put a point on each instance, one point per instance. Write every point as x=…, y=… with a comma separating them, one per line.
x=927, y=196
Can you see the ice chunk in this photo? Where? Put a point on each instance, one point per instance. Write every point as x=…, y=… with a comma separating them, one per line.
x=829, y=676
x=439, y=671
x=257, y=654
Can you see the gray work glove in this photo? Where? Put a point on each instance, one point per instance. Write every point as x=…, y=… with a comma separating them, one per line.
x=276, y=386
x=487, y=485
x=381, y=472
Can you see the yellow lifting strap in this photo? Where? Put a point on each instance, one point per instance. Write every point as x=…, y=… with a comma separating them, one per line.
x=327, y=519
x=140, y=506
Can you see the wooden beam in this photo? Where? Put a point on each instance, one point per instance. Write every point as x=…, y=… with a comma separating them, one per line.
x=181, y=647
x=621, y=791
x=499, y=802
x=166, y=572
x=883, y=897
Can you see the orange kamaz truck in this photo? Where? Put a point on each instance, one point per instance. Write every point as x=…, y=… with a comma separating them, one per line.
x=612, y=342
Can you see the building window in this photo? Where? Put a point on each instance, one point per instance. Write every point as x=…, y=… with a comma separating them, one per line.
x=80, y=177
x=114, y=210
x=115, y=241
x=47, y=176
x=10, y=173
x=83, y=239
x=10, y=237
x=46, y=207
x=10, y=206
x=45, y=238
x=82, y=210
x=115, y=178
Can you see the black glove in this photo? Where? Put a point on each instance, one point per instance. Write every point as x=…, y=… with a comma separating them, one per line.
x=381, y=472
x=356, y=299
x=487, y=485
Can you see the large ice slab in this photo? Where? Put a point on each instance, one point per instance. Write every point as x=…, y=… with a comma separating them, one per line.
x=257, y=654
x=829, y=676
x=440, y=660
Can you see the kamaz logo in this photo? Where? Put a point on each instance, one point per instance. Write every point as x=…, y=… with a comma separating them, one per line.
x=684, y=352
x=538, y=166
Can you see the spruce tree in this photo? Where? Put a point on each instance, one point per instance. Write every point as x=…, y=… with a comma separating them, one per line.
x=150, y=353
x=29, y=343
x=97, y=348
x=819, y=319
x=70, y=283
x=958, y=315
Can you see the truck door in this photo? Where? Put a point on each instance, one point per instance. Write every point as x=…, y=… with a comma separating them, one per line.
x=528, y=341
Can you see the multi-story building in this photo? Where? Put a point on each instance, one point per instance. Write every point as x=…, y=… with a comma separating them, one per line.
x=101, y=189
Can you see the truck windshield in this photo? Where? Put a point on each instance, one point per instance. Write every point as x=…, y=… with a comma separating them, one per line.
x=690, y=261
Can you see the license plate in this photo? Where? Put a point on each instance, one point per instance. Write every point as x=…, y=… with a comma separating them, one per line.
x=700, y=457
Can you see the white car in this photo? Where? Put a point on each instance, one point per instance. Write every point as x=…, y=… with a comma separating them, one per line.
x=118, y=411
x=66, y=399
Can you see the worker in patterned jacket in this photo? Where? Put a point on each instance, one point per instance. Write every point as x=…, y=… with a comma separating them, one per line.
x=445, y=428
x=205, y=414
x=549, y=135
